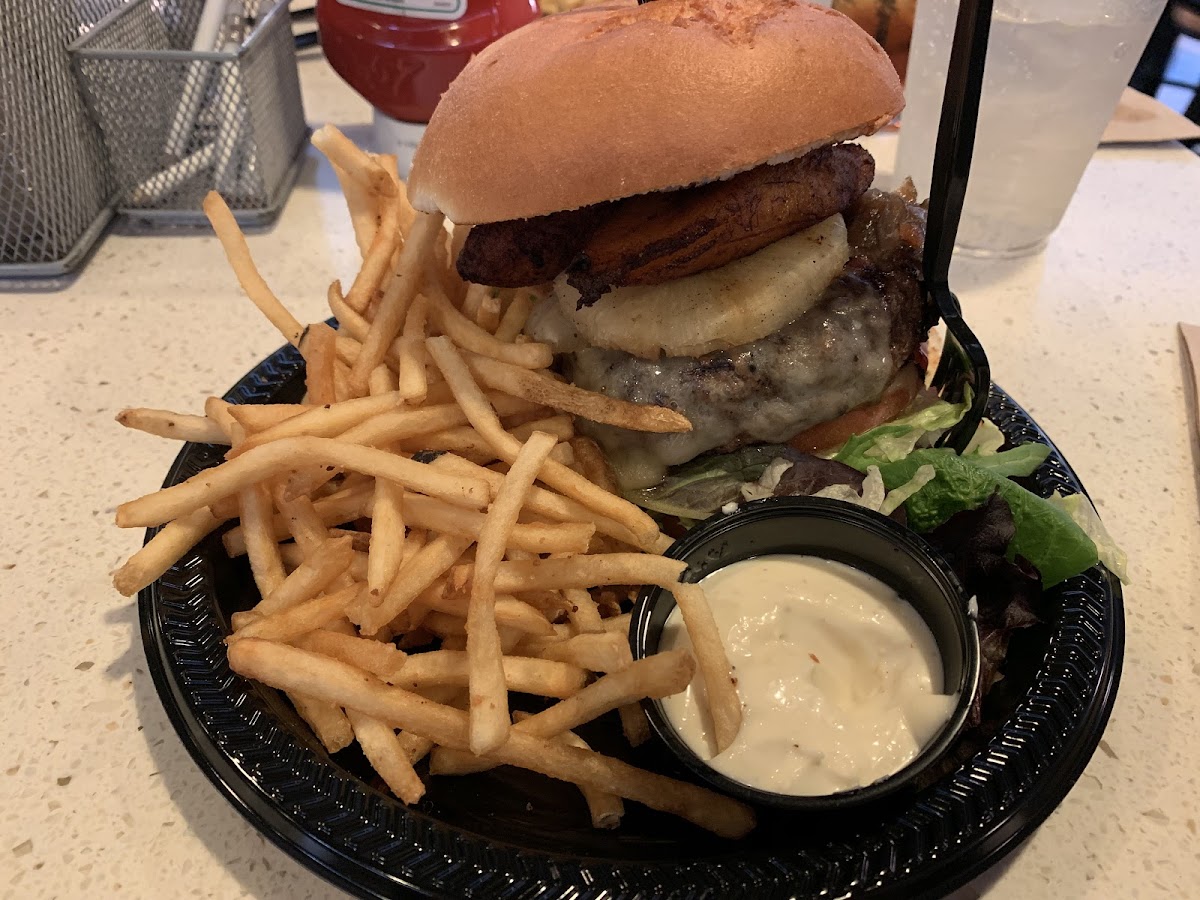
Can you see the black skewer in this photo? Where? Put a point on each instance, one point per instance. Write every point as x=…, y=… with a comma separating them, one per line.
x=964, y=363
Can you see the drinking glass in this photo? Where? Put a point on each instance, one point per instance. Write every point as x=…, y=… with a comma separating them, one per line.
x=1054, y=75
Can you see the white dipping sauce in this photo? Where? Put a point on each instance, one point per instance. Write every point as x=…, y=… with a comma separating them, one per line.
x=839, y=676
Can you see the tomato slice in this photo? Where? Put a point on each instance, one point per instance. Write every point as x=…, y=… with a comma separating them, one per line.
x=895, y=399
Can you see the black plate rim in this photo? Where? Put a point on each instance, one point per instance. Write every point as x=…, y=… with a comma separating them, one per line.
x=936, y=878
x=313, y=854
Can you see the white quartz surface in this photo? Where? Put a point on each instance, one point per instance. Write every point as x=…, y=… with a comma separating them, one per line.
x=99, y=797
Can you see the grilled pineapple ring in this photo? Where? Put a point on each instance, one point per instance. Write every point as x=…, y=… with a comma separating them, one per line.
x=735, y=304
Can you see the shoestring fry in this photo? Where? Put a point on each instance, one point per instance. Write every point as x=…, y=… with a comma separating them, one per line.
x=431, y=493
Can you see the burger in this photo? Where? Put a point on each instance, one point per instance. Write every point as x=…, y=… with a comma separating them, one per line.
x=678, y=182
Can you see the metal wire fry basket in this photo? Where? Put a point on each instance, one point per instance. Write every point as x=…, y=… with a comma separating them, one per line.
x=54, y=188
x=178, y=122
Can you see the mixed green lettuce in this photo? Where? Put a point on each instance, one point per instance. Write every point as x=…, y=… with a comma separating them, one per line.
x=1048, y=534
x=1045, y=534
x=1061, y=536
x=698, y=489
x=898, y=438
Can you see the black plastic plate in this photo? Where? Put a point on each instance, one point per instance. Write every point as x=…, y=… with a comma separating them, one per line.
x=513, y=834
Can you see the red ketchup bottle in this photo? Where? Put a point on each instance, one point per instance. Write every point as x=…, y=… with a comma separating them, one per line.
x=401, y=55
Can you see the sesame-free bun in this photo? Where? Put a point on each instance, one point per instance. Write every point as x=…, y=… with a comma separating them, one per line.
x=616, y=100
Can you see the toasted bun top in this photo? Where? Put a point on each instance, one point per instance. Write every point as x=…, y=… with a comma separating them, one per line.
x=616, y=100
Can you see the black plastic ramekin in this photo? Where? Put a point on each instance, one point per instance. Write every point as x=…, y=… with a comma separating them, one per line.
x=847, y=534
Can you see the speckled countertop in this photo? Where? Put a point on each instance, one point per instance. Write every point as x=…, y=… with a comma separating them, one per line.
x=98, y=796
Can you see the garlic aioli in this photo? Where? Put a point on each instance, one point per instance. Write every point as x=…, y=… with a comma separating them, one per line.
x=838, y=675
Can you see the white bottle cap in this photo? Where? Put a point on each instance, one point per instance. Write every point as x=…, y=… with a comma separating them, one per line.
x=400, y=138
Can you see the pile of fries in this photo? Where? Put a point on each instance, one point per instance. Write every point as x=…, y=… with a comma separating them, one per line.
x=426, y=530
